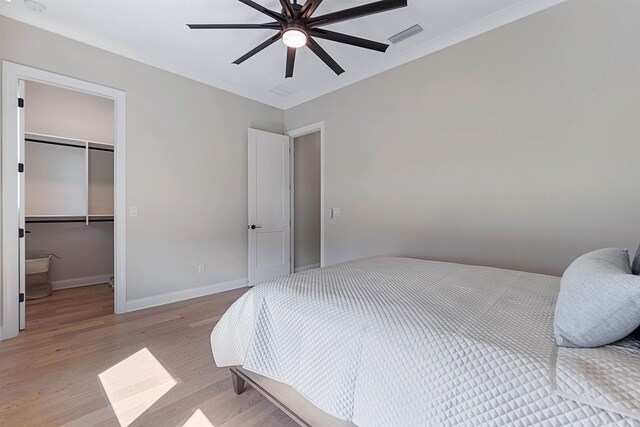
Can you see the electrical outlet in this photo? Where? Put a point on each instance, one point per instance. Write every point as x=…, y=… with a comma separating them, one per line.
x=201, y=269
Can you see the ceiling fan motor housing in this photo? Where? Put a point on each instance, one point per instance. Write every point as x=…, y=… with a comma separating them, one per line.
x=295, y=26
x=296, y=8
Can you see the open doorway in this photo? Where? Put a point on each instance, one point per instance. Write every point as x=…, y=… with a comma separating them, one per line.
x=68, y=201
x=286, y=202
x=104, y=206
x=306, y=152
x=307, y=197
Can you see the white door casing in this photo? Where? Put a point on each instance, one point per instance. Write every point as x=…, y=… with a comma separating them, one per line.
x=12, y=74
x=293, y=134
x=269, y=206
x=21, y=222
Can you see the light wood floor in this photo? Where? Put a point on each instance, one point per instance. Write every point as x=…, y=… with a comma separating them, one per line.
x=49, y=373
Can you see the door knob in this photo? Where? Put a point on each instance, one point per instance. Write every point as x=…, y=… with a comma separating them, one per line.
x=253, y=227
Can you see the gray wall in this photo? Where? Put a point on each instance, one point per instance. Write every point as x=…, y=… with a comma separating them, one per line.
x=56, y=111
x=306, y=200
x=86, y=252
x=186, y=161
x=518, y=148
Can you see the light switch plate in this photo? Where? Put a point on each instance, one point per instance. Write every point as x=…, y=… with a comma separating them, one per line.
x=133, y=211
x=335, y=212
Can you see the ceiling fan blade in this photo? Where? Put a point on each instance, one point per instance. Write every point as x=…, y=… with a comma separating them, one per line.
x=268, y=25
x=309, y=7
x=275, y=15
x=291, y=60
x=347, y=39
x=258, y=48
x=356, y=12
x=288, y=9
x=322, y=54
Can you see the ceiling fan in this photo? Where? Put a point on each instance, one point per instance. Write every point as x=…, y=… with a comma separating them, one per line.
x=297, y=27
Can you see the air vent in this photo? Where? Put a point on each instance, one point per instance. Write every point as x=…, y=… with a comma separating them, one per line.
x=403, y=35
x=35, y=6
x=283, y=90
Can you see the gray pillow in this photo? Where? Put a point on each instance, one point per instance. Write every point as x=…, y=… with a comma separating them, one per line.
x=599, y=300
x=635, y=267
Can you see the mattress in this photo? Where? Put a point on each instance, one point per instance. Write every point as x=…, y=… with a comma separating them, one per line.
x=403, y=342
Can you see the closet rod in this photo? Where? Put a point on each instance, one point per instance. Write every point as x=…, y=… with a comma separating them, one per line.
x=52, y=221
x=39, y=141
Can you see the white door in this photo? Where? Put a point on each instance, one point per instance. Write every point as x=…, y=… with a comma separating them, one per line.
x=21, y=201
x=269, y=206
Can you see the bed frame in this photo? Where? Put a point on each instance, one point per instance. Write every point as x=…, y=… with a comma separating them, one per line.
x=286, y=398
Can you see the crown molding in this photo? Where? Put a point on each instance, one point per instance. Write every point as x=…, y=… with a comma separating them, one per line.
x=498, y=19
x=40, y=22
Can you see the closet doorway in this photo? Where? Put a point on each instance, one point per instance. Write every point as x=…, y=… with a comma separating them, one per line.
x=307, y=200
x=67, y=260
x=68, y=205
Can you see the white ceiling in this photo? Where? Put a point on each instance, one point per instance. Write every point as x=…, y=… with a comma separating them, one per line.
x=154, y=32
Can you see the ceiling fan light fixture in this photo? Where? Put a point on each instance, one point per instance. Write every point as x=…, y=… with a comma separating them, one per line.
x=294, y=36
x=297, y=27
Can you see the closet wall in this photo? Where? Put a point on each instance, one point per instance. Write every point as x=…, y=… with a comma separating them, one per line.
x=57, y=111
x=306, y=201
x=86, y=251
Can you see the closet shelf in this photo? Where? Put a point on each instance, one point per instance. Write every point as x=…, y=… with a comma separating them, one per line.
x=54, y=138
x=28, y=216
x=47, y=219
x=68, y=216
x=68, y=142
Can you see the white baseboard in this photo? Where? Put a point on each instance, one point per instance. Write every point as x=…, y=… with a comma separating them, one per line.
x=154, y=301
x=80, y=281
x=306, y=267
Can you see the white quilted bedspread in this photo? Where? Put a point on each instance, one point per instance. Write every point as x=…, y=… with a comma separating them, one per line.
x=405, y=342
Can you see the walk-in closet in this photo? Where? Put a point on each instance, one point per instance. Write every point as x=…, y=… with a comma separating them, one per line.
x=69, y=205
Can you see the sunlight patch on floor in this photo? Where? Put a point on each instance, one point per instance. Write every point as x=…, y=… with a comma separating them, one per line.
x=198, y=419
x=135, y=384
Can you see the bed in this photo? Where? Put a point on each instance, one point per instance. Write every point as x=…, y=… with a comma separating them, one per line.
x=391, y=341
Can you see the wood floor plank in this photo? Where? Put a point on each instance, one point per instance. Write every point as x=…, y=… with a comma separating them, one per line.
x=50, y=373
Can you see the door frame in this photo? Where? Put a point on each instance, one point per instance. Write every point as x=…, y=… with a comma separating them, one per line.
x=11, y=74
x=293, y=134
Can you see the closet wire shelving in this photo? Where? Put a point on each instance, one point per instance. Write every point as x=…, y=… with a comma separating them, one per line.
x=87, y=218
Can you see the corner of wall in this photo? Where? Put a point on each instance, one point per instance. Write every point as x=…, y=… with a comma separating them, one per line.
x=2, y=38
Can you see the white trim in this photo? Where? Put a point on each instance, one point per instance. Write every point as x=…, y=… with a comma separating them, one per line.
x=80, y=281
x=86, y=184
x=306, y=268
x=295, y=133
x=54, y=138
x=10, y=221
x=490, y=22
x=292, y=205
x=11, y=74
x=168, y=298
